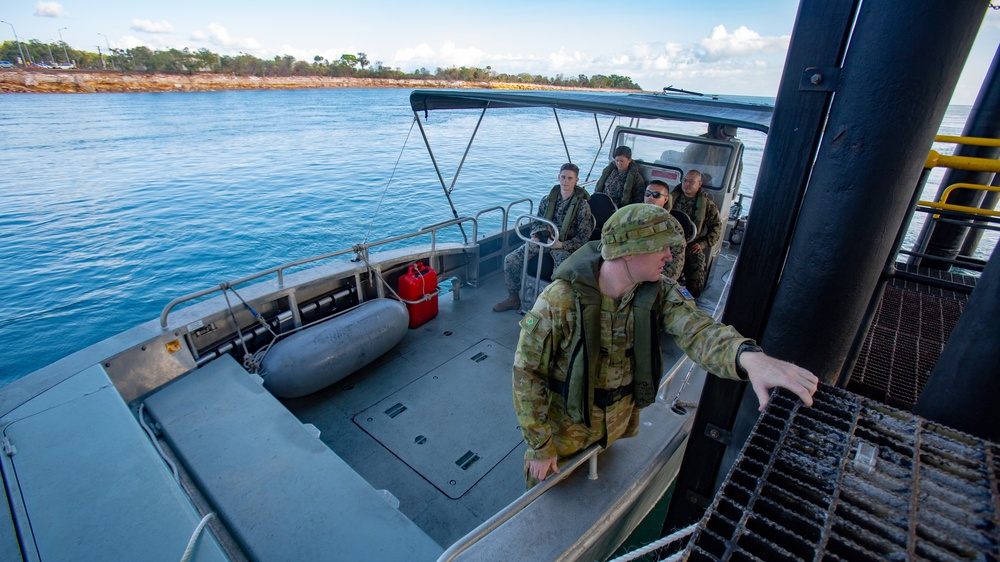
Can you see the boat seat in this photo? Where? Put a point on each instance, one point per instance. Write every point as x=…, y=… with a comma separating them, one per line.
x=283, y=494
x=90, y=485
x=602, y=207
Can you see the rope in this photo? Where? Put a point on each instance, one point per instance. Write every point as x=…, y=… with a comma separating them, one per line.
x=195, y=535
x=388, y=183
x=665, y=541
x=156, y=442
x=387, y=285
x=247, y=358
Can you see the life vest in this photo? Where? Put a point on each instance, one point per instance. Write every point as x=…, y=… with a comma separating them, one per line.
x=700, y=207
x=579, y=194
x=628, y=195
x=581, y=269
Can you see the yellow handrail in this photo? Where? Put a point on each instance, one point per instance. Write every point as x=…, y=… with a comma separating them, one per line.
x=943, y=206
x=936, y=159
x=975, y=141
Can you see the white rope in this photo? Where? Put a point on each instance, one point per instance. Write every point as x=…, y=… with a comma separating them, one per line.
x=156, y=442
x=392, y=175
x=195, y=535
x=669, y=539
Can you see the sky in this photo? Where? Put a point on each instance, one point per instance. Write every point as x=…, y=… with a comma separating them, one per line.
x=714, y=46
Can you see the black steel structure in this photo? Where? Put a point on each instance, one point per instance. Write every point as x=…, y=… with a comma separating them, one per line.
x=816, y=279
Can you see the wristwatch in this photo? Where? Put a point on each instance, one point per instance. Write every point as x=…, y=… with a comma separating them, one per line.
x=745, y=346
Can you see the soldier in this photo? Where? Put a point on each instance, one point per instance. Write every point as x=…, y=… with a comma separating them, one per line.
x=688, y=198
x=566, y=205
x=658, y=193
x=586, y=363
x=703, y=155
x=622, y=179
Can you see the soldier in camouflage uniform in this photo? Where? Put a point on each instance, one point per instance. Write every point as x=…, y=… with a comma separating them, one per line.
x=622, y=179
x=658, y=193
x=690, y=199
x=574, y=231
x=616, y=286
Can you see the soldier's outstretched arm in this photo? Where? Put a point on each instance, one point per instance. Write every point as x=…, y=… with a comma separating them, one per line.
x=540, y=469
x=766, y=372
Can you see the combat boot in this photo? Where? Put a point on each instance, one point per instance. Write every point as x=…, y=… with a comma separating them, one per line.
x=512, y=302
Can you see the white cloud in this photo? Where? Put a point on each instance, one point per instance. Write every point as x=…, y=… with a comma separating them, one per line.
x=49, y=9
x=722, y=62
x=741, y=42
x=447, y=56
x=219, y=36
x=148, y=26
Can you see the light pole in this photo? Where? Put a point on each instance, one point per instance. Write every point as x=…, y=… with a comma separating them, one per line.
x=110, y=53
x=16, y=40
x=63, y=44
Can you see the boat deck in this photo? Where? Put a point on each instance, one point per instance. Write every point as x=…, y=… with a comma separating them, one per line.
x=431, y=421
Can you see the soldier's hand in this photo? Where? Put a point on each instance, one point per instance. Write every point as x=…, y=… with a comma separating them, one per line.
x=541, y=469
x=766, y=372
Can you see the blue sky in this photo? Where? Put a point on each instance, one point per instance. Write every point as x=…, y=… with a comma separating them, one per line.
x=725, y=46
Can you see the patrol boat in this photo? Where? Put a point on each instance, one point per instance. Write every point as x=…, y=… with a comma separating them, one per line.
x=295, y=414
x=304, y=412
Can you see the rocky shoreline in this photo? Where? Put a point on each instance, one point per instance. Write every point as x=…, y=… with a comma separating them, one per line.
x=73, y=81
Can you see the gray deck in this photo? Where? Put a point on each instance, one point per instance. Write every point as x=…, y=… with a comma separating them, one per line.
x=442, y=347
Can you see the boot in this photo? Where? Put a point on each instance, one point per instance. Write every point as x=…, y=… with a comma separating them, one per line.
x=512, y=302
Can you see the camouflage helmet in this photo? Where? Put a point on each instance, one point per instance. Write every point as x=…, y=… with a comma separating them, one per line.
x=639, y=229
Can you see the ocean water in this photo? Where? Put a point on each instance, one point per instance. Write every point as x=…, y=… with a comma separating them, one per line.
x=115, y=204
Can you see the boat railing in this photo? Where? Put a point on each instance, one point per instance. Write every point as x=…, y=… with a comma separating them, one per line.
x=506, y=215
x=361, y=251
x=588, y=455
x=944, y=212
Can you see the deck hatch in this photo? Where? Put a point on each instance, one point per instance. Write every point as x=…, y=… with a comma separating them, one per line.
x=853, y=479
x=458, y=421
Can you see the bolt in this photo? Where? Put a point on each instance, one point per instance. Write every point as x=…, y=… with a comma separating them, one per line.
x=713, y=433
x=815, y=79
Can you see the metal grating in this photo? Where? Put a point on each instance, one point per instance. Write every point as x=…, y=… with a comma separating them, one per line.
x=851, y=479
x=907, y=335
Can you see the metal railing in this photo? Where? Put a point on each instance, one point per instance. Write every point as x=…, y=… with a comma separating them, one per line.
x=588, y=455
x=360, y=250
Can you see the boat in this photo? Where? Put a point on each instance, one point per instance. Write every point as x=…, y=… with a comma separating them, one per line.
x=315, y=416
x=183, y=438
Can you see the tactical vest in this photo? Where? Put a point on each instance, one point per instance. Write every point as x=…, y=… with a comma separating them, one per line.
x=581, y=270
x=579, y=194
x=700, y=207
x=628, y=189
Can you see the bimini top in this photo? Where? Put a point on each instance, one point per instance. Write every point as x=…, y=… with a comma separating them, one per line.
x=640, y=105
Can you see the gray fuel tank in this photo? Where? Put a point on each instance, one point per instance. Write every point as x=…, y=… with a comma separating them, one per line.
x=327, y=352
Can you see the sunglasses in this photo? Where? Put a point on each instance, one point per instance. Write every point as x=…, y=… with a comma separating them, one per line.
x=655, y=194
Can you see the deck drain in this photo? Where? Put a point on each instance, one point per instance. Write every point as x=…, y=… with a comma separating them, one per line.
x=395, y=410
x=467, y=460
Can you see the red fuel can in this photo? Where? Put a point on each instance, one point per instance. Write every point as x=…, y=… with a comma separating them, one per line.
x=419, y=281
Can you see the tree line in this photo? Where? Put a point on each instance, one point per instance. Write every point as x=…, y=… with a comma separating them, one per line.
x=185, y=61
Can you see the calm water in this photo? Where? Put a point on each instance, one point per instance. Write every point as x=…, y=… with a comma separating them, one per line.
x=115, y=204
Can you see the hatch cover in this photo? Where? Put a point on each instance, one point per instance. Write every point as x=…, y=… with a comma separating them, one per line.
x=454, y=424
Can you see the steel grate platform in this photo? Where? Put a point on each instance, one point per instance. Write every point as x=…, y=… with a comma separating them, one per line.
x=908, y=333
x=851, y=479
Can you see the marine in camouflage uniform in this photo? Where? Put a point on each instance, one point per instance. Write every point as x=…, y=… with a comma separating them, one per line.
x=577, y=235
x=542, y=362
x=624, y=187
x=708, y=223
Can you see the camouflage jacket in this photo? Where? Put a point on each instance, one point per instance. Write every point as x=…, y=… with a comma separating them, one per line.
x=709, y=228
x=543, y=353
x=582, y=225
x=624, y=188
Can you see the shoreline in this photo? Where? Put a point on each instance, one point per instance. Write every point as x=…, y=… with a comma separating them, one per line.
x=76, y=81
